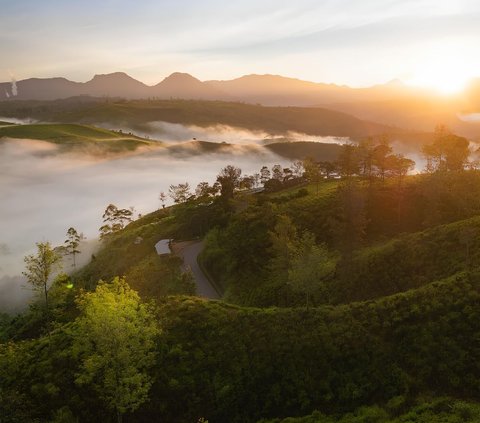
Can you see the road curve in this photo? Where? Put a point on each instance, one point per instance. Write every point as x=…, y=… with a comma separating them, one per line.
x=189, y=252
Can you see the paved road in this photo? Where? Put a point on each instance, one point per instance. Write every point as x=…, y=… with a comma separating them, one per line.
x=190, y=253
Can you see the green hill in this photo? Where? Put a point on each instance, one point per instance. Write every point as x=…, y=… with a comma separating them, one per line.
x=74, y=135
x=391, y=334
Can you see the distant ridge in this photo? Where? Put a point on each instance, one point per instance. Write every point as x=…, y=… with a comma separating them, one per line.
x=392, y=103
x=117, y=84
x=269, y=90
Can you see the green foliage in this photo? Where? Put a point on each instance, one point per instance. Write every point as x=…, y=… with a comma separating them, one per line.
x=441, y=410
x=39, y=268
x=79, y=137
x=310, y=267
x=291, y=361
x=115, y=339
x=114, y=220
x=410, y=261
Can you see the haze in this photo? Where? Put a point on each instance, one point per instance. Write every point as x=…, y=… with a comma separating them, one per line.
x=44, y=193
x=426, y=42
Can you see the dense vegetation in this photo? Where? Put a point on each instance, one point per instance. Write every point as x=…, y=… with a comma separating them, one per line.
x=351, y=294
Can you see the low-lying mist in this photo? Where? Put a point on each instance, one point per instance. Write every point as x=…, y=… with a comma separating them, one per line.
x=44, y=192
x=174, y=132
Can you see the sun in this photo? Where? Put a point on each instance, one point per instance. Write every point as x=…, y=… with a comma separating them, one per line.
x=444, y=70
x=445, y=79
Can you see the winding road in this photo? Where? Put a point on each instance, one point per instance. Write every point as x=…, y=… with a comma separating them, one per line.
x=189, y=252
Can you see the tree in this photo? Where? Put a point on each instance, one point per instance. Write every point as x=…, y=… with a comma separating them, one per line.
x=203, y=190
x=327, y=168
x=309, y=267
x=312, y=171
x=348, y=160
x=398, y=166
x=40, y=266
x=114, y=220
x=287, y=174
x=277, y=172
x=365, y=153
x=162, y=197
x=229, y=180
x=114, y=337
x=264, y=174
x=180, y=193
x=297, y=168
x=71, y=244
x=247, y=182
x=380, y=156
x=448, y=152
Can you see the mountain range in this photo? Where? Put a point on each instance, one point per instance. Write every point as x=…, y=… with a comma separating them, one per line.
x=268, y=90
x=394, y=103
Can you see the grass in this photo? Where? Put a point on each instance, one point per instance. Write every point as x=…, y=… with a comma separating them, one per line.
x=77, y=135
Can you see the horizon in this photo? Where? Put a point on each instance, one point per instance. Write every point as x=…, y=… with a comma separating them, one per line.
x=394, y=81
x=429, y=44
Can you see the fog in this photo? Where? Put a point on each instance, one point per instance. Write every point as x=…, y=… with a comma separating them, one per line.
x=174, y=132
x=44, y=192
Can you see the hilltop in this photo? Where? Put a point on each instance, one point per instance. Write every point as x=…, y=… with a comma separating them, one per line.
x=78, y=137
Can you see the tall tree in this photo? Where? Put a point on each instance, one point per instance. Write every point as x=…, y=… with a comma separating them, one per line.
x=312, y=171
x=229, y=180
x=115, y=340
x=264, y=174
x=297, y=168
x=348, y=160
x=39, y=268
x=380, y=156
x=277, y=172
x=71, y=244
x=114, y=220
x=447, y=152
x=180, y=193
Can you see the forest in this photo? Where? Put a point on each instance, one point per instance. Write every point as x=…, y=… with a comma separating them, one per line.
x=350, y=292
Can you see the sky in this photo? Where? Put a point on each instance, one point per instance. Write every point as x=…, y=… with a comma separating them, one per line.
x=352, y=42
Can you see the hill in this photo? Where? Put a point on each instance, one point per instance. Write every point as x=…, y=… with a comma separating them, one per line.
x=69, y=136
x=139, y=113
x=392, y=104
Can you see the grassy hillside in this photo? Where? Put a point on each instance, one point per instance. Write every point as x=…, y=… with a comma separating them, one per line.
x=137, y=114
x=74, y=135
x=389, y=335
x=411, y=260
x=236, y=364
x=425, y=410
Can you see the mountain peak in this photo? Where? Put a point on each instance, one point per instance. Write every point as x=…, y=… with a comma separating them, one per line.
x=180, y=77
x=113, y=75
